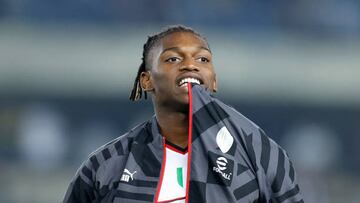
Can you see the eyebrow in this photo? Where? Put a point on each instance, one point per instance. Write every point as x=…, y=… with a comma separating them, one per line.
x=178, y=49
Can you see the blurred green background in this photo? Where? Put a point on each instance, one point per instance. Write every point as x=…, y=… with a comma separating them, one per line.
x=66, y=69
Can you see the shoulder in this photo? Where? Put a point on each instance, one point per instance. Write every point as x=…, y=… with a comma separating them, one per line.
x=102, y=166
x=110, y=157
x=275, y=171
x=268, y=161
x=118, y=147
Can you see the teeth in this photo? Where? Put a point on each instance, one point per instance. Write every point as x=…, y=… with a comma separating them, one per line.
x=189, y=80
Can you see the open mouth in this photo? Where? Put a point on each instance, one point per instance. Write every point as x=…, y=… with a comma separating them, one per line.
x=184, y=81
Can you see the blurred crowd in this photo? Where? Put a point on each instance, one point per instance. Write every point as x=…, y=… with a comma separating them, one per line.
x=323, y=16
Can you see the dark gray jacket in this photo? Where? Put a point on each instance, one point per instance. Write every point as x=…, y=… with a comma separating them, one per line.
x=232, y=160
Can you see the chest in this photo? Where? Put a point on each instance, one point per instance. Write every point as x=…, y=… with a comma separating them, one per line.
x=173, y=177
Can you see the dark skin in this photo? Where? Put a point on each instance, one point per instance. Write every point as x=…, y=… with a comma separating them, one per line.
x=177, y=56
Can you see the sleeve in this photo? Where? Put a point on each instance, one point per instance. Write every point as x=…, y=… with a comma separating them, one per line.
x=81, y=188
x=280, y=176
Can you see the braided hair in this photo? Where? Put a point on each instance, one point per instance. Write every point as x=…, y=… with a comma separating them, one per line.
x=136, y=92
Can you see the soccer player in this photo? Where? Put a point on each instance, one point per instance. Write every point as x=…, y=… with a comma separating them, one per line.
x=194, y=149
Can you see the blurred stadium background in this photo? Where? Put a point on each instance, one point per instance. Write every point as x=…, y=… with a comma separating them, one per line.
x=66, y=68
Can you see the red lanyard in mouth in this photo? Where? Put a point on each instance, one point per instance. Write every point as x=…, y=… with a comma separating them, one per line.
x=189, y=142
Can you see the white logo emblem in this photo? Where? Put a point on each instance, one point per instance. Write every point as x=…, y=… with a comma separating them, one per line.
x=221, y=163
x=127, y=175
x=224, y=139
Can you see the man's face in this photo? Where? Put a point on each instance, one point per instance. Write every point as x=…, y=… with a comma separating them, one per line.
x=179, y=58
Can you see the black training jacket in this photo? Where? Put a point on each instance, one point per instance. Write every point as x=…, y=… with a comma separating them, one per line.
x=232, y=160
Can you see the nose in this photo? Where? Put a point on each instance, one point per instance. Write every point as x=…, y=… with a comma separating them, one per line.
x=188, y=65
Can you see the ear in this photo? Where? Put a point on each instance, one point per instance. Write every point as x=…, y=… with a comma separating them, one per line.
x=145, y=81
x=215, y=84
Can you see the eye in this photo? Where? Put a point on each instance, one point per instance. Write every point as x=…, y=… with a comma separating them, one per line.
x=203, y=59
x=173, y=59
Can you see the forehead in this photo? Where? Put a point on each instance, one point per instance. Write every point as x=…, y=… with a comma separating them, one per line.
x=179, y=39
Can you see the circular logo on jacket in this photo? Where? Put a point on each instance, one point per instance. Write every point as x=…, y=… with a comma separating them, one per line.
x=220, y=169
x=221, y=163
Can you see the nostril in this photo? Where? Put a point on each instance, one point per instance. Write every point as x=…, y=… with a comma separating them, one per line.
x=189, y=67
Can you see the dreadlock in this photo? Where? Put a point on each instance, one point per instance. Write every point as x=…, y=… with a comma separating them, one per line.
x=136, y=92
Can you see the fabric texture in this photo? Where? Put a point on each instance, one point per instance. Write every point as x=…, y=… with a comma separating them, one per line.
x=232, y=160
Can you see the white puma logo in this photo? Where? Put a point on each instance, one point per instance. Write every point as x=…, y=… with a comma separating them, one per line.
x=130, y=174
x=126, y=177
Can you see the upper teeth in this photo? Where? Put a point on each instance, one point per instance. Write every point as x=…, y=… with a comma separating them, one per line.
x=189, y=80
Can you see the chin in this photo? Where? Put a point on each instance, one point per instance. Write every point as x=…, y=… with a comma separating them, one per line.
x=184, y=101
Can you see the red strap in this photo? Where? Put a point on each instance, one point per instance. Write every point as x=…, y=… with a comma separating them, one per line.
x=189, y=143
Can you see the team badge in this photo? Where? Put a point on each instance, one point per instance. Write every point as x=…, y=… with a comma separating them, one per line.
x=224, y=140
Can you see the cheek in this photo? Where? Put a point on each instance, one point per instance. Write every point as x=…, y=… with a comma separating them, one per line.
x=211, y=78
x=210, y=74
x=161, y=81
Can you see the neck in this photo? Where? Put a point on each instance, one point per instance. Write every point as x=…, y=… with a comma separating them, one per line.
x=173, y=125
